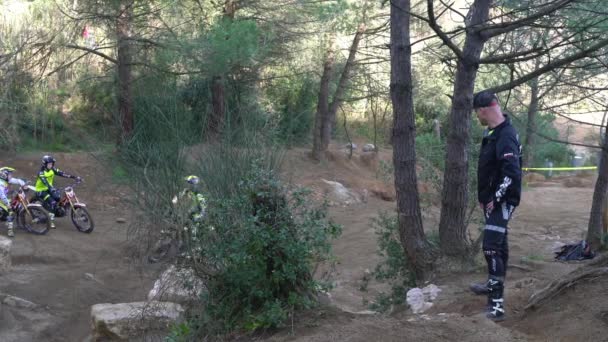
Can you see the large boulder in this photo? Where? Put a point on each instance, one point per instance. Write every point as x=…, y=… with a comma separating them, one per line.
x=339, y=194
x=178, y=285
x=5, y=253
x=138, y=321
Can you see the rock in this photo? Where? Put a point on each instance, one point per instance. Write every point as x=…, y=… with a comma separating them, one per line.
x=5, y=253
x=121, y=220
x=420, y=300
x=17, y=302
x=340, y=194
x=349, y=145
x=415, y=299
x=178, y=286
x=431, y=292
x=134, y=321
x=369, y=148
x=90, y=276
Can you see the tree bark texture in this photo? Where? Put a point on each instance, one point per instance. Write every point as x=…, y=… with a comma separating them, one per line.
x=330, y=121
x=595, y=228
x=452, y=227
x=124, y=61
x=322, y=115
x=218, y=106
x=411, y=232
x=528, y=147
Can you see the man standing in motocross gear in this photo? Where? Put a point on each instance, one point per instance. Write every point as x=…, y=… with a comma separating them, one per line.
x=499, y=190
x=44, y=185
x=6, y=178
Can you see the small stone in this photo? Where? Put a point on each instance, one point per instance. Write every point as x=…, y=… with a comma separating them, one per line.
x=17, y=302
x=369, y=148
x=121, y=220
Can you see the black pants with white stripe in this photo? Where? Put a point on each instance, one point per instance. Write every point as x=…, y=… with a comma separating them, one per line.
x=495, y=246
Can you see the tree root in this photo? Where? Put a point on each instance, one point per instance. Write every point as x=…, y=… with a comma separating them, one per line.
x=596, y=268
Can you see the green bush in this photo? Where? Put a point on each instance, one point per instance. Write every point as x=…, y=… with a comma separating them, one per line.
x=294, y=101
x=258, y=248
x=394, y=268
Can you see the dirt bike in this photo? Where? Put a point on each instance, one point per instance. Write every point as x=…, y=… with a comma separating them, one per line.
x=173, y=240
x=79, y=214
x=30, y=216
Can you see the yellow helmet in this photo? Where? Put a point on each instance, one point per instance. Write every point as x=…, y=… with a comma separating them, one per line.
x=5, y=171
x=192, y=180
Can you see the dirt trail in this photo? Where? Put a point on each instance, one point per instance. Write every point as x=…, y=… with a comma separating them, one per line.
x=65, y=272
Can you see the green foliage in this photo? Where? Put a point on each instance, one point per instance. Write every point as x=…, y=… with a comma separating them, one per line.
x=394, y=268
x=544, y=149
x=294, y=101
x=230, y=44
x=261, y=243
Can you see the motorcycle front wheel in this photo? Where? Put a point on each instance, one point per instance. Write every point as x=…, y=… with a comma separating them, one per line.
x=35, y=219
x=81, y=219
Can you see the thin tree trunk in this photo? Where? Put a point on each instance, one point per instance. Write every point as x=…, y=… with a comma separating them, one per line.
x=321, y=116
x=452, y=228
x=330, y=121
x=124, y=60
x=531, y=125
x=595, y=227
x=218, y=97
x=218, y=105
x=411, y=232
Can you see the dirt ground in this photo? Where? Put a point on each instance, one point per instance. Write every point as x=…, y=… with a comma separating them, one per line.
x=65, y=272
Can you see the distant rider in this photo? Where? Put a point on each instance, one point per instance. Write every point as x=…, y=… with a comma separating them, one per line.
x=44, y=185
x=6, y=178
x=195, y=205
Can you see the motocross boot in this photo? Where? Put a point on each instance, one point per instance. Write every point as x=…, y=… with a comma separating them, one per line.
x=11, y=231
x=52, y=219
x=495, y=296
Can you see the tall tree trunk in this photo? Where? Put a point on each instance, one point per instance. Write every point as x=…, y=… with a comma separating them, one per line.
x=411, y=232
x=218, y=97
x=322, y=115
x=330, y=121
x=124, y=61
x=531, y=125
x=452, y=228
x=595, y=227
x=218, y=106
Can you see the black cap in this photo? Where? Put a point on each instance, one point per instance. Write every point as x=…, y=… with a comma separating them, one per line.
x=484, y=99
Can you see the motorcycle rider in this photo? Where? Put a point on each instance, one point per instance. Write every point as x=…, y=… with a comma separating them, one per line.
x=195, y=206
x=6, y=178
x=199, y=203
x=44, y=185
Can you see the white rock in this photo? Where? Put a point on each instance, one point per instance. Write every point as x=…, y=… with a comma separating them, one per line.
x=349, y=145
x=134, y=321
x=341, y=194
x=420, y=300
x=5, y=253
x=415, y=299
x=369, y=148
x=178, y=286
x=431, y=292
